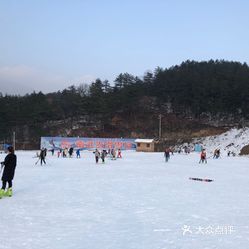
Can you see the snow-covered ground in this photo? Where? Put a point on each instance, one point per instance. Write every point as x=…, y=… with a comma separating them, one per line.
x=137, y=202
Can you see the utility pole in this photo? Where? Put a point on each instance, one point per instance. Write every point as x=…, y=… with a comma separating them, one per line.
x=160, y=127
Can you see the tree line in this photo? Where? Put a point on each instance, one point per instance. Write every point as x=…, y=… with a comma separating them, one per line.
x=193, y=87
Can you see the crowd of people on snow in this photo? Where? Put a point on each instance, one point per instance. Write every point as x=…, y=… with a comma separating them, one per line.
x=187, y=149
x=104, y=153
x=116, y=153
x=99, y=154
x=9, y=164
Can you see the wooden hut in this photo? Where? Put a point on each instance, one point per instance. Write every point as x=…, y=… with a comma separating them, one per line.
x=145, y=145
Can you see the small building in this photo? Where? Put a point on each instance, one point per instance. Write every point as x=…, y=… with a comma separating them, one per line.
x=145, y=145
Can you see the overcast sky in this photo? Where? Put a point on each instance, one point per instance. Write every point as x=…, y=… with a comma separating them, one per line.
x=49, y=45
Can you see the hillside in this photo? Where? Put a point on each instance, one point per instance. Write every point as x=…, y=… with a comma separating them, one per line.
x=193, y=98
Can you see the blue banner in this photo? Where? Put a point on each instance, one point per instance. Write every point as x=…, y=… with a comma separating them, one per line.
x=87, y=143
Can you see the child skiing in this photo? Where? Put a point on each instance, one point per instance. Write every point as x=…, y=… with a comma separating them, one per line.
x=9, y=165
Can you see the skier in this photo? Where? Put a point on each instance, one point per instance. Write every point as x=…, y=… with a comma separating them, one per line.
x=43, y=156
x=217, y=153
x=9, y=165
x=119, y=154
x=64, y=153
x=97, y=155
x=103, y=154
x=166, y=154
x=203, y=156
x=78, y=153
x=70, y=152
x=113, y=154
x=59, y=153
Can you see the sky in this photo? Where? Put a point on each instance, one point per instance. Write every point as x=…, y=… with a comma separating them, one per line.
x=49, y=45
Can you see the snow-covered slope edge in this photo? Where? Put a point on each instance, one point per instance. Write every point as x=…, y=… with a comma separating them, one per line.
x=233, y=140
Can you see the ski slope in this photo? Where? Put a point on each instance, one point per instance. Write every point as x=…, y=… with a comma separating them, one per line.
x=137, y=202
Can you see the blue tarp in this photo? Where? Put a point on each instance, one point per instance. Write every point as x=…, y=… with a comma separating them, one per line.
x=198, y=147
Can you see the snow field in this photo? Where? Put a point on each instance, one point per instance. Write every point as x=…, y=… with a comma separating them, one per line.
x=137, y=202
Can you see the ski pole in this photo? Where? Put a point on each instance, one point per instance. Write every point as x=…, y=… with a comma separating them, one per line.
x=37, y=161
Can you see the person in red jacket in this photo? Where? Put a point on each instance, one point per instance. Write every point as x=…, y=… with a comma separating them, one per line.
x=203, y=156
x=119, y=154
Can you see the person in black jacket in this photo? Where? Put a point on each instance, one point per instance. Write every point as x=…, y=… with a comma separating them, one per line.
x=9, y=165
x=43, y=154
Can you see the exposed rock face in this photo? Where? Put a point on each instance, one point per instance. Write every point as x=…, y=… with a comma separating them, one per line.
x=244, y=150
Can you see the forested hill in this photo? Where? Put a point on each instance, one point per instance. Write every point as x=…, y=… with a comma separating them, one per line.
x=190, y=96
